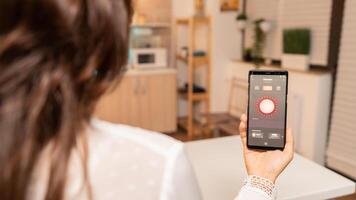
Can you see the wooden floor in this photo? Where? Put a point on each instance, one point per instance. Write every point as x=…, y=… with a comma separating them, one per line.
x=350, y=197
x=182, y=136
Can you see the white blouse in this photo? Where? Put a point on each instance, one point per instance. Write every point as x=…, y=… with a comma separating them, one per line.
x=128, y=163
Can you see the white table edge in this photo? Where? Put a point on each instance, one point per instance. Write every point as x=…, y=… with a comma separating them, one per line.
x=346, y=189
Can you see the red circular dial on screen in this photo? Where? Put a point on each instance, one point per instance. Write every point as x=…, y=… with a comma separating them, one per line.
x=266, y=105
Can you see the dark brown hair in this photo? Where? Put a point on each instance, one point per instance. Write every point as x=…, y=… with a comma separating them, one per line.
x=57, y=57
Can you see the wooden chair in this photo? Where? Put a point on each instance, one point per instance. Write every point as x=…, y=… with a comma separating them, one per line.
x=227, y=123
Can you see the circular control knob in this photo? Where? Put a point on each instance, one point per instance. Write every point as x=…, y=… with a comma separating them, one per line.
x=266, y=106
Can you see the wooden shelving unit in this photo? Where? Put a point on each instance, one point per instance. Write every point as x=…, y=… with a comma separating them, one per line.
x=198, y=127
x=197, y=61
x=196, y=97
x=194, y=127
x=151, y=25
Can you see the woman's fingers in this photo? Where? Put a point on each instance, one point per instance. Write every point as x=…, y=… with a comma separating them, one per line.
x=242, y=129
x=243, y=118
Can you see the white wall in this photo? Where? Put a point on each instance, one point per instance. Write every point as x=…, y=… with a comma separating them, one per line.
x=313, y=14
x=182, y=8
x=269, y=10
x=226, y=45
x=342, y=140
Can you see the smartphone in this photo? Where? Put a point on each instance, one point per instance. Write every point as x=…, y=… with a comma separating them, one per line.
x=267, y=109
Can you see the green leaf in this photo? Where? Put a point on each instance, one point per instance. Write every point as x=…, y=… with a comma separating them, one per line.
x=296, y=41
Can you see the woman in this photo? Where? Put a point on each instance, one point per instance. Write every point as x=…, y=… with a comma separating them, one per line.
x=57, y=57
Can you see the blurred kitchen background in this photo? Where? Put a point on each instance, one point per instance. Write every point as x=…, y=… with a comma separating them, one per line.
x=189, y=61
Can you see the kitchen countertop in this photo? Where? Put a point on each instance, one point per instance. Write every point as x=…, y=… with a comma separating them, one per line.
x=153, y=71
x=220, y=171
x=278, y=67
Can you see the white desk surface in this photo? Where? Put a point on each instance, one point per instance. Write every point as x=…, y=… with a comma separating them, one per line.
x=220, y=171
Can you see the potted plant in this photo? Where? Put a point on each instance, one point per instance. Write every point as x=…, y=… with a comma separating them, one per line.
x=296, y=49
x=259, y=43
x=247, y=56
x=241, y=21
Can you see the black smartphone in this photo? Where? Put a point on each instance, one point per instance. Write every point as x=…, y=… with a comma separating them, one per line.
x=267, y=109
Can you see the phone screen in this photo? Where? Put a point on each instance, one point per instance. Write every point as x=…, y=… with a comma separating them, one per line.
x=267, y=109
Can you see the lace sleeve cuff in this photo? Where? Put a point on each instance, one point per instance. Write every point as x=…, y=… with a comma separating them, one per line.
x=263, y=185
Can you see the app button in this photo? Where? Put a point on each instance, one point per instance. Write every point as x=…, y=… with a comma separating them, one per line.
x=274, y=136
x=267, y=88
x=266, y=105
x=257, y=135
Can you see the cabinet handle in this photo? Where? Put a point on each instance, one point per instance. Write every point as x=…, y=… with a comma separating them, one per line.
x=143, y=89
x=137, y=87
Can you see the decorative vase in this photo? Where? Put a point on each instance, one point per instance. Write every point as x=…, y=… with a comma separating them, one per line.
x=241, y=24
x=266, y=26
x=199, y=8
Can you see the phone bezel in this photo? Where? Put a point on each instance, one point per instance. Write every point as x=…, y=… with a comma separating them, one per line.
x=266, y=72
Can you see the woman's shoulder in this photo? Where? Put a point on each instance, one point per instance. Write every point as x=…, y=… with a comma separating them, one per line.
x=118, y=133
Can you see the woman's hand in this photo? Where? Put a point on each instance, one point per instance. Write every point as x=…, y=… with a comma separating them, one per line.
x=267, y=164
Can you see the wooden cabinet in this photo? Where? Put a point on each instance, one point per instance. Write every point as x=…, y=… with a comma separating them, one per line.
x=142, y=99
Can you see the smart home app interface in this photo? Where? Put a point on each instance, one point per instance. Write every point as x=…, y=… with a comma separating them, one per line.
x=267, y=110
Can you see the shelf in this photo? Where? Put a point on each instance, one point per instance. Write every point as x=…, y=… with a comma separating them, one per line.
x=183, y=21
x=196, y=20
x=151, y=25
x=197, y=60
x=201, y=20
x=181, y=58
x=192, y=62
x=199, y=128
x=201, y=96
x=200, y=60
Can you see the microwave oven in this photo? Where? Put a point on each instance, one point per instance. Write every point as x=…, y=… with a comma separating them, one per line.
x=145, y=58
